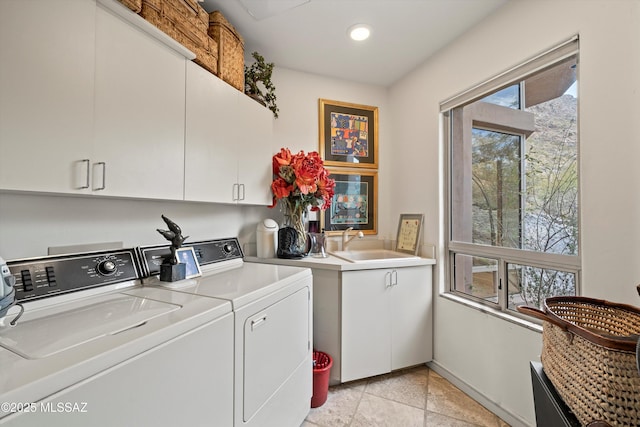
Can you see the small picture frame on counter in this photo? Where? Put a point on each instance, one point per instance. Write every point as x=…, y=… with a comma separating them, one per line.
x=187, y=256
x=409, y=233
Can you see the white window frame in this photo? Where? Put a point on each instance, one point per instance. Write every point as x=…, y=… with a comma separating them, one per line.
x=503, y=255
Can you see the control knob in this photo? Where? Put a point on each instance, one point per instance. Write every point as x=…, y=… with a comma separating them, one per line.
x=106, y=267
x=227, y=248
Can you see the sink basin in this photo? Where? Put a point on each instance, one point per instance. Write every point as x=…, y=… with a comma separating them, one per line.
x=371, y=255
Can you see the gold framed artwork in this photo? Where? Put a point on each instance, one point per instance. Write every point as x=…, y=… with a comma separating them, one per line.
x=348, y=134
x=409, y=233
x=354, y=203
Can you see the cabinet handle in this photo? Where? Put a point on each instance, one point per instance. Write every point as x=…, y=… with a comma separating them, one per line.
x=394, y=278
x=387, y=280
x=255, y=324
x=87, y=162
x=235, y=192
x=241, y=197
x=104, y=176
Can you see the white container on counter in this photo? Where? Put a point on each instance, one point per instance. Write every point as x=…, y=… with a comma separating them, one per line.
x=266, y=238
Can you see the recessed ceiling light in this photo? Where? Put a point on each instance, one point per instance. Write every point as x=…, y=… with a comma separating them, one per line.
x=359, y=32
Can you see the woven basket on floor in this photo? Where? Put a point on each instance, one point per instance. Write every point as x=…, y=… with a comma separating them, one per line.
x=589, y=354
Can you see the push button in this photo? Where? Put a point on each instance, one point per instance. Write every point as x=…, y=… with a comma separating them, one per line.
x=51, y=276
x=27, y=283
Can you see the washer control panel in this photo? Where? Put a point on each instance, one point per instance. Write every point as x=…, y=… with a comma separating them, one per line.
x=49, y=276
x=207, y=252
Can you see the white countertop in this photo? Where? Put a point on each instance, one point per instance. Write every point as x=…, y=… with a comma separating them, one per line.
x=334, y=263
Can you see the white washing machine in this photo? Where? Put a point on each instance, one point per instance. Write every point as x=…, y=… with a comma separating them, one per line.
x=272, y=309
x=95, y=348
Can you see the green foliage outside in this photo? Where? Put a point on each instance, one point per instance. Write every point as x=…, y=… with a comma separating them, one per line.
x=535, y=209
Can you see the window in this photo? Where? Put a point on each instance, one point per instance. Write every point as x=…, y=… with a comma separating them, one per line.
x=513, y=184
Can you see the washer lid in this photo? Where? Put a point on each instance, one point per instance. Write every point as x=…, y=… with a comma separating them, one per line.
x=45, y=332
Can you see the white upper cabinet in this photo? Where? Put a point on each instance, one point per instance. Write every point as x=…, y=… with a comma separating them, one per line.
x=210, y=149
x=96, y=100
x=256, y=151
x=139, y=113
x=227, y=143
x=46, y=95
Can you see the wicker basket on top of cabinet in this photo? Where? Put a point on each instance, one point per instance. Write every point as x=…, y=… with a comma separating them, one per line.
x=134, y=5
x=230, y=50
x=186, y=22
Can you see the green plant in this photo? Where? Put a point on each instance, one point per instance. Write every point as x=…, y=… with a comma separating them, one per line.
x=258, y=77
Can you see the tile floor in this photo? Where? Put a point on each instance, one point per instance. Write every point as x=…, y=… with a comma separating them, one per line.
x=412, y=397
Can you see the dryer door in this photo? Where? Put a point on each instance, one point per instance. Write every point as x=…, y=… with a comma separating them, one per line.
x=276, y=342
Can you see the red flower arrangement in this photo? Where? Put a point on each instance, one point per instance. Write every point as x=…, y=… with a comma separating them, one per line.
x=301, y=180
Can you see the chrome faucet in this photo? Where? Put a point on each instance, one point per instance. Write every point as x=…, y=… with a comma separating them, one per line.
x=346, y=239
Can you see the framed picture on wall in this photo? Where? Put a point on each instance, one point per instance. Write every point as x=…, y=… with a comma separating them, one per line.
x=348, y=134
x=354, y=203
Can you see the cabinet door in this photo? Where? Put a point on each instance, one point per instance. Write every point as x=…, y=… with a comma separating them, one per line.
x=140, y=109
x=366, y=334
x=411, y=316
x=276, y=342
x=211, y=166
x=46, y=87
x=255, y=170
x=228, y=143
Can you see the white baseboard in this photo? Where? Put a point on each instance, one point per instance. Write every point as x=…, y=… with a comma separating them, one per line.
x=511, y=419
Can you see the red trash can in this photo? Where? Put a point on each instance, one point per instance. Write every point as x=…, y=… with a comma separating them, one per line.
x=322, y=363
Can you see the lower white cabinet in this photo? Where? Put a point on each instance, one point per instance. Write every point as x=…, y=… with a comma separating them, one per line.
x=373, y=321
x=386, y=320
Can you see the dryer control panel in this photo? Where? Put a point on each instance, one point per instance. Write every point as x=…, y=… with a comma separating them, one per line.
x=37, y=278
x=217, y=250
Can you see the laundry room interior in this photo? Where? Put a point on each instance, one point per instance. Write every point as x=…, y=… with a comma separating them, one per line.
x=122, y=139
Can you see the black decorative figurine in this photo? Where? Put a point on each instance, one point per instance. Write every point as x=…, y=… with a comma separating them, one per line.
x=171, y=270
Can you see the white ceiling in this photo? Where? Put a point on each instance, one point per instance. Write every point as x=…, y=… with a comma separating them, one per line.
x=312, y=37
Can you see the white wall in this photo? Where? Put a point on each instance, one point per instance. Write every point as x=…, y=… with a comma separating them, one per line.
x=31, y=223
x=298, y=125
x=486, y=355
